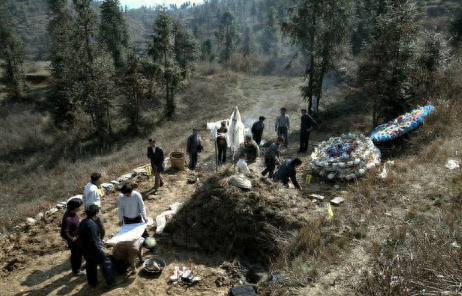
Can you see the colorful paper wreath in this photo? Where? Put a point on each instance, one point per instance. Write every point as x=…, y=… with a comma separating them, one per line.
x=401, y=125
x=346, y=157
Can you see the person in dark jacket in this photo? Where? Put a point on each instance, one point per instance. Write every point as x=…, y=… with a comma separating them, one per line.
x=288, y=170
x=69, y=226
x=90, y=244
x=193, y=147
x=251, y=148
x=271, y=156
x=222, y=145
x=307, y=124
x=156, y=154
x=257, y=130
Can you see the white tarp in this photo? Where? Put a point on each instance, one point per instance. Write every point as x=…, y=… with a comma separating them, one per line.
x=235, y=127
x=240, y=181
x=129, y=232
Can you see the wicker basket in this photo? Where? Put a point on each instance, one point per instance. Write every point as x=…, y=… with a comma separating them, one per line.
x=177, y=160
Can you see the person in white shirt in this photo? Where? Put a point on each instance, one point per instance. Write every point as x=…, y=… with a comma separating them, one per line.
x=131, y=206
x=241, y=164
x=282, y=126
x=92, y=196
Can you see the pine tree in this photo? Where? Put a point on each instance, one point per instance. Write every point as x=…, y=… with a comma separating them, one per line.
x=61, y=55
x=134, y=86
x=228, y=35
x=253, y=11
x=248, y=45
x=387, y=69
x=113, y=31
x=13, y=54
x=319, y=28
x=270, y=38
x=186, y=50
x=456, y=28
x=162, y=52
x=94, y=87
x=207, y=51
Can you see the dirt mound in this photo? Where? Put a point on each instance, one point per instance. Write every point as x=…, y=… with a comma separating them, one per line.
x=28, y=242
x=223, y=218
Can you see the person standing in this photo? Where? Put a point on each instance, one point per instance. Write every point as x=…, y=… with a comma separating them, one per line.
x=69, y=227
x=193, y=147
x=257, y=130
x=90, y=244
x=282, y=126
x=271, y=156
x=307, y=124
x=222, y=145
x=131, y=206
x=156, y=154
x=92, y=196
x=288, y=170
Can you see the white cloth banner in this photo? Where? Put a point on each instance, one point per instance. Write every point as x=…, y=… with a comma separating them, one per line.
x=235, y=127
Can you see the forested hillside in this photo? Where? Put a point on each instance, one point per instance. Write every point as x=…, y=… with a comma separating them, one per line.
x=84, y=84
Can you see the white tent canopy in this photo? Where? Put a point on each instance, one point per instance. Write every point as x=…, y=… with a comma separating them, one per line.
x=235, y=127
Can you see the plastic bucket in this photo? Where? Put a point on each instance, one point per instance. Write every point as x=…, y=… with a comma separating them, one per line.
x=177, y=160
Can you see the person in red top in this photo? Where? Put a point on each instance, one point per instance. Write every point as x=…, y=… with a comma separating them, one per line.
x=69, y=226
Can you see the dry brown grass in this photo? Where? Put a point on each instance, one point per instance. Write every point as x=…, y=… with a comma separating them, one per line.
x=418, y=256
x=42, y=165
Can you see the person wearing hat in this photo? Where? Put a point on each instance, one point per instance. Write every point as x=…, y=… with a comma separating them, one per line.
x=193, y=147
x=156, y=154
x=288, y=170
x=257, y=130
x=90, y=244
x=222, y=145
x=307, y=124
x=251, y=148
x=282, y=126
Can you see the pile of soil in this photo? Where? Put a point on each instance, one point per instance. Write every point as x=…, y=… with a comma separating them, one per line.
x=30, y=241
x=223, y=218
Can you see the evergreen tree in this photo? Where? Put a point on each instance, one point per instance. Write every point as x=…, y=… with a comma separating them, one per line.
x=456, y=28
x=365, y=16
x=269, y=41
x=387, y=69
x=94, y=86
x=113, y=31
x=134, y=86
x=320, y=28
x=228, y=35
x=13, y=54
x=248, y=45
x=207, y=51
x=61, y=56
x=186, y=50
x=162, y=52
x=253, y=11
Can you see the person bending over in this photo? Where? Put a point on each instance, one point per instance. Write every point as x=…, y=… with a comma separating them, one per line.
x=288, y=170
